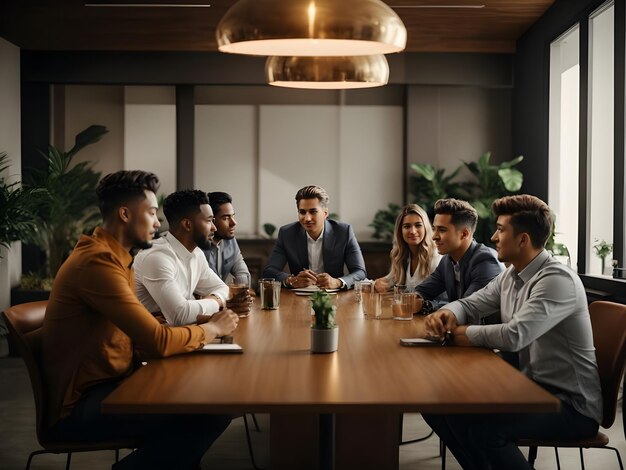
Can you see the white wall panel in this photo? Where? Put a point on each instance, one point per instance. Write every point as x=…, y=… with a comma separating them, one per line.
x=370, y=163
x=298, y=146
x=225, y=157
x=150, y=133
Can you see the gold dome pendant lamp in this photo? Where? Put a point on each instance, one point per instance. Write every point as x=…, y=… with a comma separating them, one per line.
x=323, y=44
x=364, y=71
x=310, y=28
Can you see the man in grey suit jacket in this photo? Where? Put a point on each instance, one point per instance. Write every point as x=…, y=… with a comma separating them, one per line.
x=466, y=266
x=224, y=255
x=315, y=248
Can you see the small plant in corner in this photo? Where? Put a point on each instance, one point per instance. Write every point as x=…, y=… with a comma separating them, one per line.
x=324, y=311
x=603, y=249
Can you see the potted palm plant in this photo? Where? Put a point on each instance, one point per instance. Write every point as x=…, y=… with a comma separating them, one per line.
x=17, y=223
x=69, y=205
x=324, y=331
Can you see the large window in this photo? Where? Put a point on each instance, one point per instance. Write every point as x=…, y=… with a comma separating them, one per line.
x=586, y=177
x=600, y=135
x=564, y=153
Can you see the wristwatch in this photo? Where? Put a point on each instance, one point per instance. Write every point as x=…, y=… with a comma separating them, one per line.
x=288, y=281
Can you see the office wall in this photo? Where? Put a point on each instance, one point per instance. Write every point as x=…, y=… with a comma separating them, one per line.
x=91, y=104
x=450, y=124
x=150, y=133
x=10, y=259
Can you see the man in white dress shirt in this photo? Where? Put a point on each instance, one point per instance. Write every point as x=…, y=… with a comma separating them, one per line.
x=173, y=279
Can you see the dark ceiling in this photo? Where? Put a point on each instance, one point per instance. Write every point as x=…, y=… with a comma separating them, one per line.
x=70, y=25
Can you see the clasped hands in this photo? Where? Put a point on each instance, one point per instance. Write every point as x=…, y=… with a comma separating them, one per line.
x=306, y=278
x=241, y=303
x=439, y=323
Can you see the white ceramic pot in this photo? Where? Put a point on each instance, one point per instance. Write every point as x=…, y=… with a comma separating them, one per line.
x=324, y=341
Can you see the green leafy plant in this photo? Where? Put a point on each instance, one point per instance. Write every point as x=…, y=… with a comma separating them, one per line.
x=557, y=249
x=492, y=182
x=430, y=184
x=17, y=209
x=602, y=250
x=69, y=204
x=324, y=311
x=384, y=222
x=269, y=229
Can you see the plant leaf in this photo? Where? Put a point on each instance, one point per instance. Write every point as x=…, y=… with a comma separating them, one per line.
x=511, y=178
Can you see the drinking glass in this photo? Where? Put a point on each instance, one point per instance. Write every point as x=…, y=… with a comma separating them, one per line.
x=357, y=290
x=370, y=300
x=238, y=295
x=238, y=285
x=410, y=303
x=270, y=294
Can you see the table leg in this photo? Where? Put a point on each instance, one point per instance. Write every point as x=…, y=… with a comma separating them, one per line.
x=294, y=441
x=367, y=441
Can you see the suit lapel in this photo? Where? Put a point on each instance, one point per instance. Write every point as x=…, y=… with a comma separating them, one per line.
x=328, y=247
x=302, y=252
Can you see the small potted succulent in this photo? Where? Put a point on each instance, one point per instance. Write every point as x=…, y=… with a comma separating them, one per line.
x=324, y=331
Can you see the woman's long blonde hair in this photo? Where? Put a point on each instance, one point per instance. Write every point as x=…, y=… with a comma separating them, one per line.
x=400, y=250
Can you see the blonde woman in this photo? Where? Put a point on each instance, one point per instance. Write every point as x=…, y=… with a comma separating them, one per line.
x=414, y=255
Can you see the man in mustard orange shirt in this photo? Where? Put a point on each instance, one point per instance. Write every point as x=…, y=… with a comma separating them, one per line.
x=93, y=322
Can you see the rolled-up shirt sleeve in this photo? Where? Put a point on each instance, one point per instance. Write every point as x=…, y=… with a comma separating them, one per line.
x=211, y=284
x=552, y=298
x=159, y=278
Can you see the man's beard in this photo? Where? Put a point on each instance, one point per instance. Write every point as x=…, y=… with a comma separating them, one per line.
x=204, y=243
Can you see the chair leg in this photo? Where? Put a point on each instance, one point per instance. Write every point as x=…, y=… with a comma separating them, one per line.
x=532, y=456
x=442, y=454
x=619, y=457
x=413, y=441
x=32, y=454
x=256, y=423
x=117, y=455
x=249, y=441
x=558, y=462
x=582, y=458
x=69, y=461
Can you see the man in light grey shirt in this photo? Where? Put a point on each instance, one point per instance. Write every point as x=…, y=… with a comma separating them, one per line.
x=224, y=255
x=545, y=319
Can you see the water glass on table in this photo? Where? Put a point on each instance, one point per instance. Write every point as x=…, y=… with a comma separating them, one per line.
x=370, y=299
x=238, y=293
x=269, y=290
x=408, y=304
x=357, y=290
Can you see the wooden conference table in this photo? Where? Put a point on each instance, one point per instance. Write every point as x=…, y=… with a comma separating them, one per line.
x=342, y=408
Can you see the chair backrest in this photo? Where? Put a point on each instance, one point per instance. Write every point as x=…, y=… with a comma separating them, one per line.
x=24, y=323
x=608, y=321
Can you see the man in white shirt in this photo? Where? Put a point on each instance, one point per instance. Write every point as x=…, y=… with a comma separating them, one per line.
x=173, y=278
x=545, y=320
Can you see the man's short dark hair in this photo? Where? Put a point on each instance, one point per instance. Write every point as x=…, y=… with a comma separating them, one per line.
x=118, y=189
x=529, y=214
x=183, y=204
x=217, y=199
x=462, y=213
x=313, y=192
